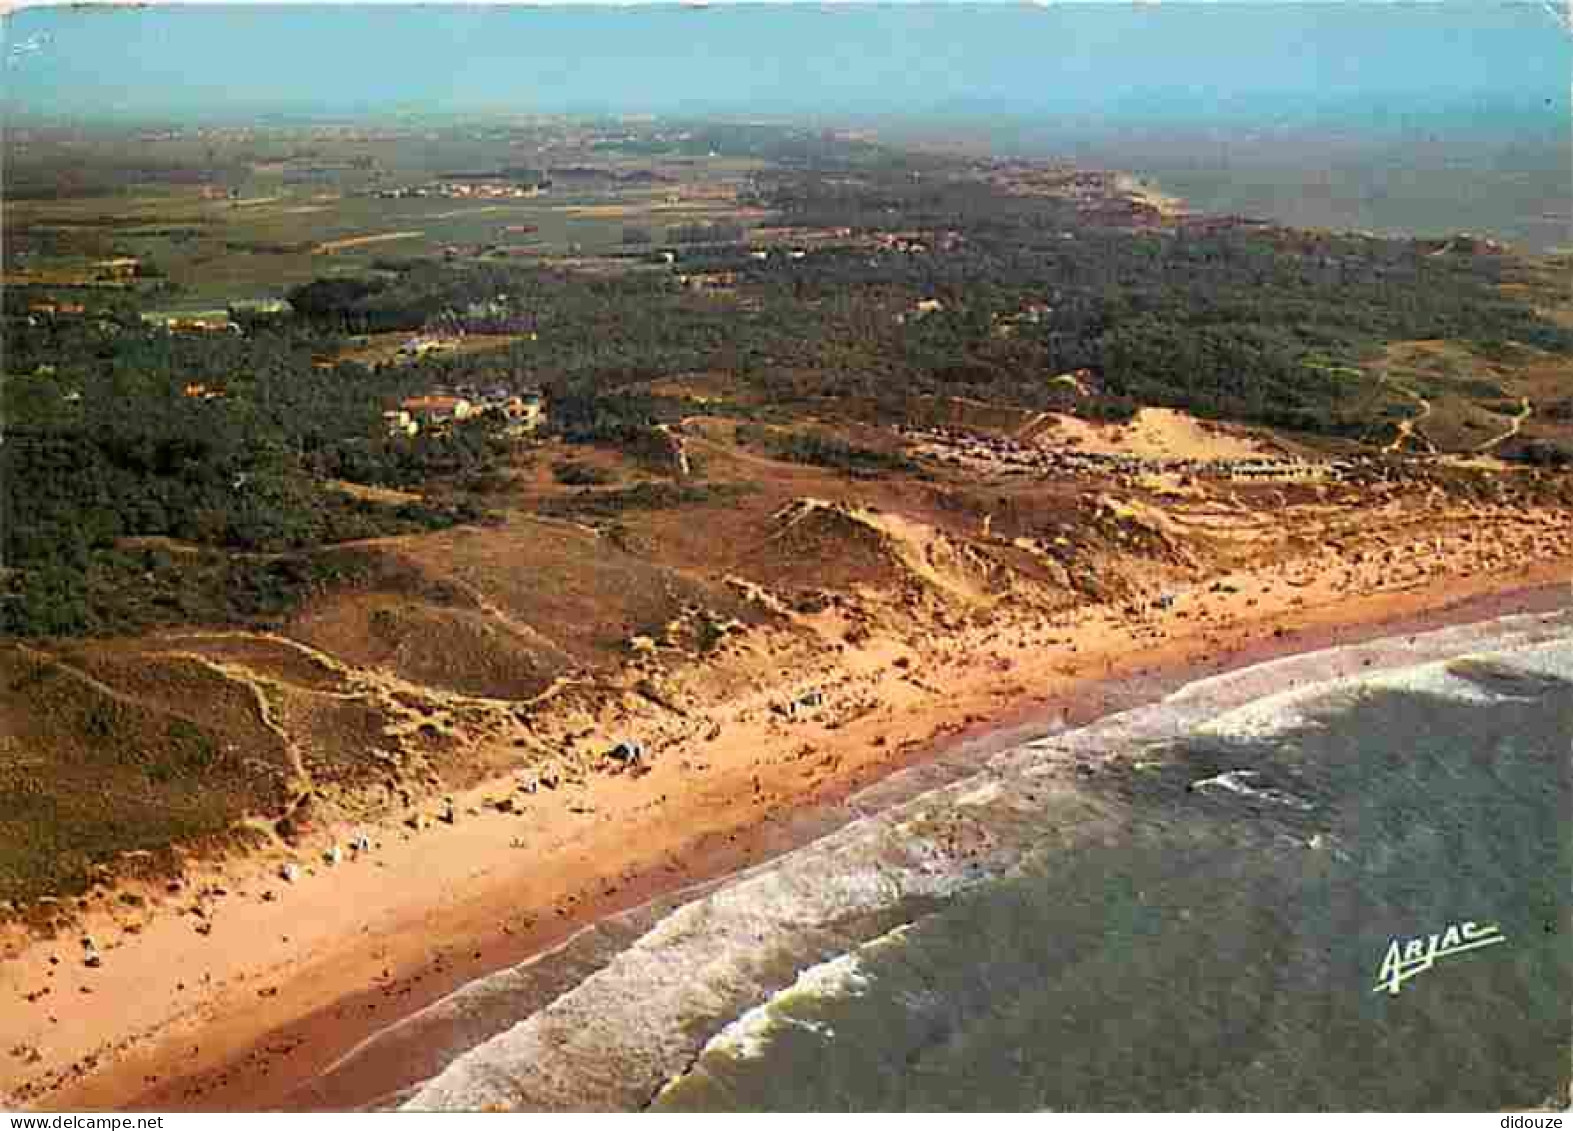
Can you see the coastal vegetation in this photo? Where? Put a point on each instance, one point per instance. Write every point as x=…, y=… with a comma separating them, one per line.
x=1008, y=292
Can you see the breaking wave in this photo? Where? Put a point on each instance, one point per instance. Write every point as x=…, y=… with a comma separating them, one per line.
x=733, y=966
x=746, y=1038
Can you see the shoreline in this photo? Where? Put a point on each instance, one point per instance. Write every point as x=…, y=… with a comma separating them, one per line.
x=326, y=994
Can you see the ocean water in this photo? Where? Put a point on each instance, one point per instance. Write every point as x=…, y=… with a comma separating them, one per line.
x=1182, y=906
x=1423, y=119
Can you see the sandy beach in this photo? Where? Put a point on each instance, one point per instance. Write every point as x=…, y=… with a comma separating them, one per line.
x=236, y=991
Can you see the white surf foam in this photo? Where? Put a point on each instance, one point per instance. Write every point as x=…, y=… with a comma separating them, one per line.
x=1301, y=674
x=1325, y=681
x=708, y=959
x=621, y=1034
x=749, y=1036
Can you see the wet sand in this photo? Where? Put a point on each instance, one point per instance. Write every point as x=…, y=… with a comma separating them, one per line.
x=289, y=977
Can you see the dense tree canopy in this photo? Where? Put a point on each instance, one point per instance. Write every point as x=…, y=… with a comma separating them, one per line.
x=223, y=442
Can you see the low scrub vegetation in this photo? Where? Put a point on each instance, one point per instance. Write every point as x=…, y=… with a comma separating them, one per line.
x=643, y=497
x=823, y=450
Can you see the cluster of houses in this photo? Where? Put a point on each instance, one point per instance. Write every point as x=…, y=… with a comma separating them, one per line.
x=794, y=244
x=995, y=454
x=464, y=190
x=261, y=307
x=1124, y=212
x=119, y=269
x=1066, y=182
x=520, y=412
x=227, y=320
x=1100, y=197
x=921, y=310
x=799, y=237
x=489, y=190
x=193, y=322
x=904, y=243
x=55, y=310
x=1033, y=314
x=916, y=243
x=423, y=344
x=711, y=281
x=116, y=273
x=761, y=255
x=1208, y=225
x=52, y=311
